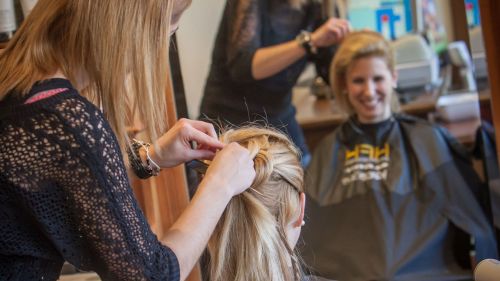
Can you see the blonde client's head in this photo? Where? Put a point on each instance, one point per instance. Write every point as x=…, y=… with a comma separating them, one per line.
x=363, y=77
x=255, y=237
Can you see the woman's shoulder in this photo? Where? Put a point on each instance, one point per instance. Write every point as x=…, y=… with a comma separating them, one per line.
x=430, y=140
x=416, y=125
x=403, y=118
x=331, y=138
x=52, y=96
x=64, y=113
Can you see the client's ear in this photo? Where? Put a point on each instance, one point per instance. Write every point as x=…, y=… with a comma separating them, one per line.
x=302, y=202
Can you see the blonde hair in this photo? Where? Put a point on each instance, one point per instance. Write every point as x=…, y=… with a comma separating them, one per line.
x=120, y=47
x=357, y=45
x=250, y=242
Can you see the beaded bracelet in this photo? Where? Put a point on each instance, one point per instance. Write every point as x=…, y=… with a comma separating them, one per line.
x=141, y=169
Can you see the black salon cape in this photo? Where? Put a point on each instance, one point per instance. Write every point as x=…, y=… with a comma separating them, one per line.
x=487, y=152
x=381, y=201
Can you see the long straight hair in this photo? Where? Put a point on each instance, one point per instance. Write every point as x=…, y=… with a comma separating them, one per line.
x=250, y=241
x=119, y=47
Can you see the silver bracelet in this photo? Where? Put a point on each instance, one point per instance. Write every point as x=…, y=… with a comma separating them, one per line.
x=141, y=169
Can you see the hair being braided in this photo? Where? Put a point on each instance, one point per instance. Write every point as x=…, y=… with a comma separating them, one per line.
x=250, y=242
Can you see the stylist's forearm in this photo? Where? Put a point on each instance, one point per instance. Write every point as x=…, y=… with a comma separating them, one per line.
x=271, y=60
x=189, y=235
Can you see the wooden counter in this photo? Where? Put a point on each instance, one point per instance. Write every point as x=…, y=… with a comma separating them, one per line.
x=318, y=117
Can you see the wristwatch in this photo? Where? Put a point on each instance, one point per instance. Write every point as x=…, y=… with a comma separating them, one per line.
x=305, y=40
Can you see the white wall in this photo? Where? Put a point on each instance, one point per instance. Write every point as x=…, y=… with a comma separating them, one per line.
x=195, y=39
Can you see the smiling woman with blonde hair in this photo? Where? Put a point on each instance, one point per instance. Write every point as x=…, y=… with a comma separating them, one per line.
x=388, y=192
x=257, y=233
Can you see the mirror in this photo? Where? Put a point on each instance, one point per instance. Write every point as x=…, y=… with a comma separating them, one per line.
x=458, y=79
x=456, y=103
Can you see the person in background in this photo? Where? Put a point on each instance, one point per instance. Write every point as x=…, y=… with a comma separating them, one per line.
x=389, y=192
x=71, y=77
x=255, y=238
x=261, y=48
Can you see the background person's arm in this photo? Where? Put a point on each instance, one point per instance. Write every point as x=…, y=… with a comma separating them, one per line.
x=247, y=59
x=269, y=61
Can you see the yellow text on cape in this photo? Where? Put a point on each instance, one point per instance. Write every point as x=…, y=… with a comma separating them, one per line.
x=368, y=151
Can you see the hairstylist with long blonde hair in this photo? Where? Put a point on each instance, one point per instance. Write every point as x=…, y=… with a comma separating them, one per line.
x=68, y=79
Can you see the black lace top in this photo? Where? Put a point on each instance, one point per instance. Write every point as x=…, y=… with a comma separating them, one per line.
x=65, y=195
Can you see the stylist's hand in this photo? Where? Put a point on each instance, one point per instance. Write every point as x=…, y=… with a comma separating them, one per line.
x=175, y=145
x=331, y=32
x=232, y=168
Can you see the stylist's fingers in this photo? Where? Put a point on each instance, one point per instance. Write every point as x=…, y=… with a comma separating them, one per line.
x=331, y=32
x=337, y=33
x=175, y=145
x=205, y=141
x=203, y=126
x=347, y=27
x=340, y=28
x=206, y=128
